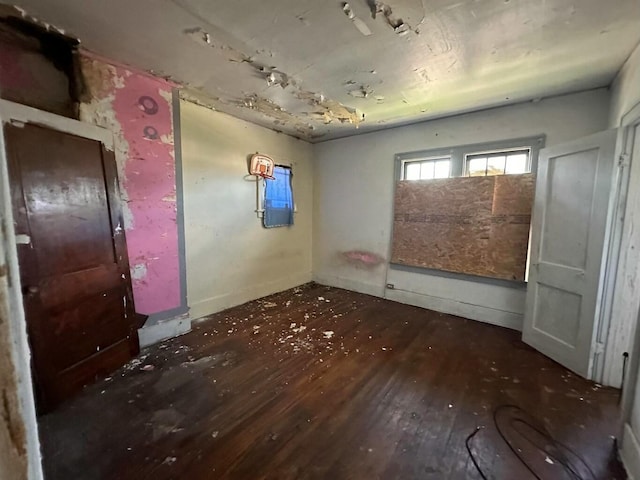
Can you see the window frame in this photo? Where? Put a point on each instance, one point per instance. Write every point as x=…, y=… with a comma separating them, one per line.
x=497, y=153
x=458, y=153
x=420, y=161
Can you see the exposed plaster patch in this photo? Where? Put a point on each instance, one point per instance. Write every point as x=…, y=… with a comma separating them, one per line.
x=362, y=92
x=357, y=22
x=170, y=198
x=329, y=110
x=275, y=111
x=203, y=38
x=198, y=99
x=167, y=138
x=139, y=271
x=99, y=111
x=166, y=94
x=100, y=79
x=322, y=109
x=276, y=77
x=385, y=11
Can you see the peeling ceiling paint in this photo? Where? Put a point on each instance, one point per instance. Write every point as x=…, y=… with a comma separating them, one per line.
x=321, y=70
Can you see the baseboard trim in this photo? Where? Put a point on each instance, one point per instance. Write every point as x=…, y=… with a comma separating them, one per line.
x=163, y=330
x=348, y=284
x=630, y=453
x=479, y=313
x=209, y=306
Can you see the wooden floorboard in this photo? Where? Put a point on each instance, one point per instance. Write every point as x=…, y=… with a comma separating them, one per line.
x=392, y=394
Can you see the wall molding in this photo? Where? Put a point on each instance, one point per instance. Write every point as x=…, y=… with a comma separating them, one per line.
x=493, y=316
x=163, y=330
x=349, y=284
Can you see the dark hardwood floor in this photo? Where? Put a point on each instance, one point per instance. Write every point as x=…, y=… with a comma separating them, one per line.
x=266, y=391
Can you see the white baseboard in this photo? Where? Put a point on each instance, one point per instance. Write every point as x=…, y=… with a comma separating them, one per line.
x=163, y=330
x=480, y=313
x=348, y=284
x=231, y=299
x=449, y=306
x=630, y=453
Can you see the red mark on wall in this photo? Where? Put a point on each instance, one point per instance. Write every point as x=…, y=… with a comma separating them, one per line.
x=362, y=259
x=138, y=109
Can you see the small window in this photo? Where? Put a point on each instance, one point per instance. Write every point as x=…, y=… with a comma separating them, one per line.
x=427, y=169
x=278, y=199
x=497, y=163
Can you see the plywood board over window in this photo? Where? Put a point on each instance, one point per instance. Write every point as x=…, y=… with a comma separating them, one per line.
x=476, y=226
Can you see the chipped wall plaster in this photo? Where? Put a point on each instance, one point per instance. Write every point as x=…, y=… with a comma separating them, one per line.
x=138, y=109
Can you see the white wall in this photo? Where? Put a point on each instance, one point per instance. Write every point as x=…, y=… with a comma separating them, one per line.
x=353, y=200
x=625, y=90
x=230, y=257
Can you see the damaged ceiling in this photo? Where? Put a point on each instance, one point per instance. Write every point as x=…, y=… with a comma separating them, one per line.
x=325, y=69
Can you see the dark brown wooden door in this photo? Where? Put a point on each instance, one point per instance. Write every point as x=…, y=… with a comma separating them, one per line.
x=73, y=259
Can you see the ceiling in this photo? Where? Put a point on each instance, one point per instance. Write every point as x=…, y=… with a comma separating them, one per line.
x=325, y=69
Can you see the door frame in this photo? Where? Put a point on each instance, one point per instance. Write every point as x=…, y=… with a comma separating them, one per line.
x=617, y=334
x=624, y=334
x=10, y=290
x=601, y=347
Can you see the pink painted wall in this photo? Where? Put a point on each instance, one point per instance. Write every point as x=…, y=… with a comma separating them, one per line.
x=138, y=109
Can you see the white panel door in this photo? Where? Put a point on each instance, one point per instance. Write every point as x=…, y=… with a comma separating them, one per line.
x=567, y=243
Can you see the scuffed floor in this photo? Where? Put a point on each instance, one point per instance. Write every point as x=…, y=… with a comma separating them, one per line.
x=322, y=383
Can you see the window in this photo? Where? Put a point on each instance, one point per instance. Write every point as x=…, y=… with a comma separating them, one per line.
x=504, y=157
x=497, y=163
x=427, y=169
x=278, y=199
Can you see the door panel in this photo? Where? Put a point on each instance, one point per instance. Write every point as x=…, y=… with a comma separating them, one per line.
x=74, y=265
x=567, y=244
x=67, y=187
x=566, y=221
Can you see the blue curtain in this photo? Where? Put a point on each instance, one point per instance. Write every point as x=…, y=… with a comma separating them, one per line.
x=278, y=199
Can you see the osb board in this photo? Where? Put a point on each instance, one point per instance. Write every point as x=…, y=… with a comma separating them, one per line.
x=477, y=225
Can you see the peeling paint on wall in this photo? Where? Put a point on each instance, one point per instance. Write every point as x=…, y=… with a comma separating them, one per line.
x=138, y=109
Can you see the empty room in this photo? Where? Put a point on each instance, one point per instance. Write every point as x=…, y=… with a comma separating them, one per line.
x=298, y=239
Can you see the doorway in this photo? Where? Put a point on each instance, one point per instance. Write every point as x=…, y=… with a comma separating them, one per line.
x=71, y=249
